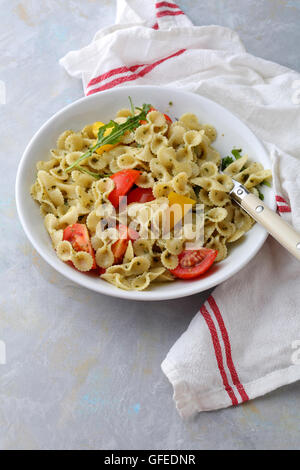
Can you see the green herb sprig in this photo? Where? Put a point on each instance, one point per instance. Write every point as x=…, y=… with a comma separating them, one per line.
x=131, y=105
x=226, y=161
x=260, y=194
x=91, y=173
x=117, y=132
x=236, y=153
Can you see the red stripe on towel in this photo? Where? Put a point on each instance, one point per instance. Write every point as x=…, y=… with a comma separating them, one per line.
x=229, y=361
x=280, y=199
x=218, y=353
x=166, y=4
x=134, y=76
x=282, y=205
x=284, y=209
x=113, y=72
x=159, y=14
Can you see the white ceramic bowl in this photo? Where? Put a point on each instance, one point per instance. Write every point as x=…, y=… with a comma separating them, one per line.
x=103, y=106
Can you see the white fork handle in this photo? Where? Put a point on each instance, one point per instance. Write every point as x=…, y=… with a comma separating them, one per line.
x=284, y=233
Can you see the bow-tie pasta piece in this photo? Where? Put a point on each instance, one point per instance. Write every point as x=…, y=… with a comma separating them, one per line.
x=208, y=169
x=218, y=198
x=145, y=180
x=216, y=215
x=218, y=243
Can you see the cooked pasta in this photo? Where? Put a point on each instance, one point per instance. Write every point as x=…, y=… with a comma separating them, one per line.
x=77, y=189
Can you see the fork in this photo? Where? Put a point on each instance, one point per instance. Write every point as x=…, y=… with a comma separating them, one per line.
x=284, y=233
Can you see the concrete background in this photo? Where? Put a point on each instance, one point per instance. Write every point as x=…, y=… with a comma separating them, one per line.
x=83, y=370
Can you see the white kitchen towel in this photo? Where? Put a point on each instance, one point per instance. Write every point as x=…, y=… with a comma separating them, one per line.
x=245, y=340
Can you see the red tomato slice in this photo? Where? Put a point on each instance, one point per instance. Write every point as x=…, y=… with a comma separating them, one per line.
x=140, y=195
x=95, y=272
x=120, y=246
x=124, y=180
x=78, y=236
x=168, y=119
x=193, y=263
x=127, y=233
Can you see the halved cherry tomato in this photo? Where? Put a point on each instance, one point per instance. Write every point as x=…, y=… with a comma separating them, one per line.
x=100, y=271
x=120, y=246
x=124, y=180
x=78, y=236
x=140, y=195
x=96, y=272
x=193, y=263
x=168, y=119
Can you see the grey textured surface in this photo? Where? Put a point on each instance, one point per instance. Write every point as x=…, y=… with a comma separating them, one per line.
x=83, y=370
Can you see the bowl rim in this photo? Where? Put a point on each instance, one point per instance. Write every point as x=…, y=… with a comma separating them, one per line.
x=84, y=281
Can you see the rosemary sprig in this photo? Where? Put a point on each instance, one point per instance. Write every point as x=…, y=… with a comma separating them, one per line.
x=117, y=131
x=91, y=173
x=131, y=105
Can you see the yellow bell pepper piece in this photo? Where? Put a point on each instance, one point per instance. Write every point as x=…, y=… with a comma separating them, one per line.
x=180, y=206
x=106, y=147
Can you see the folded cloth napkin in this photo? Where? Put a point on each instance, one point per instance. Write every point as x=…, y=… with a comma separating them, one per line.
x=243, y=342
